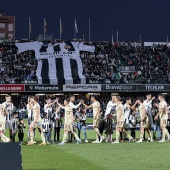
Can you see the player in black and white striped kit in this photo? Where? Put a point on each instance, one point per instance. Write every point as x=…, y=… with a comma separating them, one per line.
x=46, y=126
x=9, y=107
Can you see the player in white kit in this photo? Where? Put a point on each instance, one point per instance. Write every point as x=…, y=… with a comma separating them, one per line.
x=96, y=117
x=37, y=122
x=48, y=108
x=163, y=114
x=3, y=113
x=71, y=103
x=9, y=107
x=73, y=106
x=120, y=120
x=148, y=105
x=30, y=118
x=144, y=124
x=68, y=124
x=127, y=112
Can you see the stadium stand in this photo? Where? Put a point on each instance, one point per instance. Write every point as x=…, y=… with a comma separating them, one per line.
x=116, y=64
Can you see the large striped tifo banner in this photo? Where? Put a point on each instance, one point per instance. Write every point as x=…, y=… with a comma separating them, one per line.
x=58, y=63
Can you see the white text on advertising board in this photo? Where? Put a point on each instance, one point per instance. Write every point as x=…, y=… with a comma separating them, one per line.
x=80, y=87
x=111, y=87
x=149, y=87
x=46, y=88
x=42, y=88
x=10, y=88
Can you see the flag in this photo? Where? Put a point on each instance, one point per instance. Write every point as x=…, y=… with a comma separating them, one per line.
x=76, y=29
x=30, y=27
x=61, y=28
x=112, y=39
x=45, y=25
x=117, y=36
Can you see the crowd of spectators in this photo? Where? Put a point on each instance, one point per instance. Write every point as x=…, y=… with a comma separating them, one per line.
x=152, y=64
x=16, y=68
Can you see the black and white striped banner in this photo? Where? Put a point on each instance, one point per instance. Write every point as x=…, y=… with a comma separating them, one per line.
x=58, y=63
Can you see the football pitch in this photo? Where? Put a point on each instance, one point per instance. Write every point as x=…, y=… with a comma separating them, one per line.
x=88, y=156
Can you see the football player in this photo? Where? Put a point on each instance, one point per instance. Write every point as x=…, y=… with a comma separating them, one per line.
x=144, y=120
x=30, y=117
x=163, y=117
x=48, y=108
x=69, y=119
x=9, y=107
x=3, y=113
x=120, y=120
x=96, y=117
x=36, y=122
x=148, y=105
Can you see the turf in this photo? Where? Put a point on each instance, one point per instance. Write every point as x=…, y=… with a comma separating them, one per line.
x=88, y=156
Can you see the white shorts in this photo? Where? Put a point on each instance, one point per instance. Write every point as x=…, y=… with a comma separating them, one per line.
x=2, y=124
x=36, y=125
x=8, y=124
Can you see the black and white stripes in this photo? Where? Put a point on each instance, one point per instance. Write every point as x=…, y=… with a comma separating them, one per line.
x=59, y=63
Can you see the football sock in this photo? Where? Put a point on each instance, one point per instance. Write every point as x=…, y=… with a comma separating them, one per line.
x=31, y=136
x=117, y=136
x=163, y=134
x=141, y=136
x=3, y=137
x=75, y=135
x=150, y=134
x=107, y=137
x=97, y=137
x=65, y=136
x=121, y=136
x=128, y=136
x=167, y=133
x=28, y=136
x=111, y=137
x=97, y=132
x=42, y=137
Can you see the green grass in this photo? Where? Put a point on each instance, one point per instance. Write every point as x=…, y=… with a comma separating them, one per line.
x=88, y=156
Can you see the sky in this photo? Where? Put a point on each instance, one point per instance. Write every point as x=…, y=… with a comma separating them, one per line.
x=132, y=18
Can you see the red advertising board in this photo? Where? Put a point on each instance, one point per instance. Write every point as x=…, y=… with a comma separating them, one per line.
x=12, y=87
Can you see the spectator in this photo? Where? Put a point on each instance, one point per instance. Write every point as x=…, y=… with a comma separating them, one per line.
x=152, y=65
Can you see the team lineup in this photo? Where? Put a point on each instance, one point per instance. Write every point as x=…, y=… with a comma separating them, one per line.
x=124, y=116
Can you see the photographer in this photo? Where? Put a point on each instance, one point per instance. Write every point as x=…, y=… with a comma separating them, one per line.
x=81, y=122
